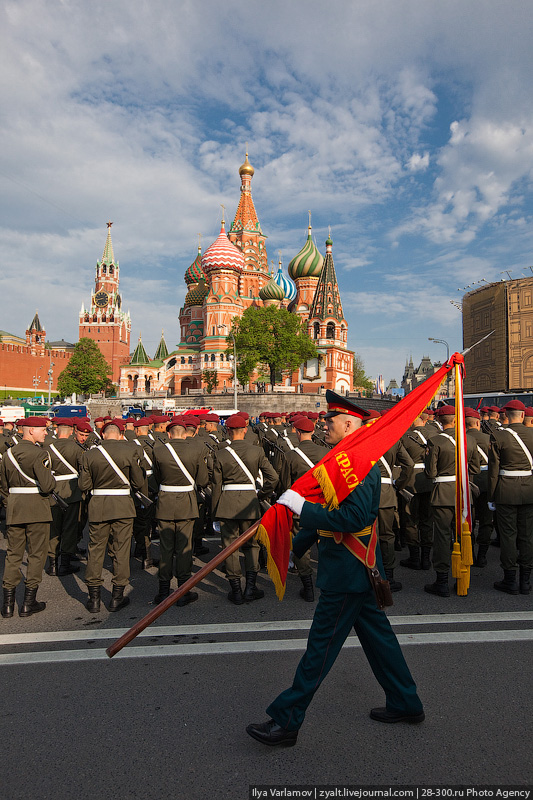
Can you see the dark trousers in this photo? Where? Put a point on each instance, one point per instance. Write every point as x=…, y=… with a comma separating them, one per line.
x=515, y=526
x=116, y=532
x=387, y=536
x=64, y=530
x=418, y=527
x=443, y=533
x=175, y=540
x=335, y=615
x=33, y=537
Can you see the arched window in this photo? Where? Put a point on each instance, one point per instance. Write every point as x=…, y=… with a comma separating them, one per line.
x=316, y=330
x=212, y=356
x=330, y=331
x=182, y=360
x=189, y=360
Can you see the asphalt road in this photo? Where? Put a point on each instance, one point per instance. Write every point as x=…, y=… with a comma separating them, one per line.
x=166, y=717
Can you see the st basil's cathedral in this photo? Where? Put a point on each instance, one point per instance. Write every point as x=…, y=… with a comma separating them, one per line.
x=222, y=282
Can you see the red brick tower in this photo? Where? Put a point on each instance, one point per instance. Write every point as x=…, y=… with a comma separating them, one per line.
x=105, y=322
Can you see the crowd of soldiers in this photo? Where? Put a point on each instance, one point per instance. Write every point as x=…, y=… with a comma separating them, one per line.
x=177, y=479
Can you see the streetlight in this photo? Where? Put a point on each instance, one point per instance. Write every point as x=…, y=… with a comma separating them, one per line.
x=36, y=382
x=49, y=381
x=443, y=341
x=221, y=328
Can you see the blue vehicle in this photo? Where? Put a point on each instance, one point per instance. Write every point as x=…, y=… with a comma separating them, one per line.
x=68, y=411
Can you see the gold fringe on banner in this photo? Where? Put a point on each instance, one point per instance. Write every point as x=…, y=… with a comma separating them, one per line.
x=456, y=560
x=262, y=537
x=328, y=490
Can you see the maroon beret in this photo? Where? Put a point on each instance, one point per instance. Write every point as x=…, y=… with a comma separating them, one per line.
x=1, y=421
x=514, y=405
x=236, y=421
x=304, y=424
x=190, y=421
x=471, y=412
x=117, y=422
x=83, y=427
x=99, y=419
x=159, y=420
x=373, y=414
x=494, y=409
x=176, y=421
x=484, y=409
x=67, y=421
x=33, y=422
x=212, y=418
x=529, y=411
x=142, y=422
x=106, y=417
x=445, y=411
x=429, y=412
x=243, y=414
x=312, y=415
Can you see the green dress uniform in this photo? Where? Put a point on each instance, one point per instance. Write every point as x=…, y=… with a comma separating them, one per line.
x=417, y=513
x=142, y=524
x=396, y=456
x=346, y=601
x=66, y=459
x=111, y=507
x=483, y=515
x=28, y=513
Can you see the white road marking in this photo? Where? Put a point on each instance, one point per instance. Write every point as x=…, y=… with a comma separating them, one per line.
x=98, y=634
x=269, y=645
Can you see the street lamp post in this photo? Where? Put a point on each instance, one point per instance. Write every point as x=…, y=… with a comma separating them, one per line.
x=221, y=328
x=50, y=373
x=443, y=341
x=36, y=382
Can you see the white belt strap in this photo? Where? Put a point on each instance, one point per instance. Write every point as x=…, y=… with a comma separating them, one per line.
x=67, y=464
x=114, y=466
x=522, y=445
x=305, y=458
x=419, y=466
x=388, y=469
x=182, y=467
x=236, y=487
x=166, y=488
x=388, y=481
x=444, y=479
x=483, y=455
x=146, y=456
x=19, y=468
x=24, y=490
x=424, y=440
x=484, y=468
x=452, y=440
x=110, y=492
x=288, y=442
x=244, y=468
x=515, y=473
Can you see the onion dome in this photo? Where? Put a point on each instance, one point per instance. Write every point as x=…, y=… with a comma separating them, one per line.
x=286, y=284
x=308, y=262
x=195, y=273
x=222, y=255
x=246, y=168
x=272, y=291
x=197, y=294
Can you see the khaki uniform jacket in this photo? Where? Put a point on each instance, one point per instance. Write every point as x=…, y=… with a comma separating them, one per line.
x=96, y=473
x=146, y=446
x=482, y=441
x=71, y=452
x=505, y=453
x=415, y=442
x=294, y=466
x=396, y=456
x=35, y=462
x=440, y=462
x=242, y=503
x=179, y=505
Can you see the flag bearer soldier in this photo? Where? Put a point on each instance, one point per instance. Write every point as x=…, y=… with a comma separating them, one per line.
x=26, y=481
x=179, y=469
x=417, y=513
x=346, y=600
x=142, y=524
x=65, y=457
x=511, y=490
x=110, y=471
x=483, y=514
x=440, y=467
x=236, y=505
x=297, y=462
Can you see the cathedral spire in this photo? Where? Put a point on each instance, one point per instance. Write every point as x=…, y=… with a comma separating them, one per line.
x=108, y=256
x=162, y=351
x=140, y=355
x=327, y=299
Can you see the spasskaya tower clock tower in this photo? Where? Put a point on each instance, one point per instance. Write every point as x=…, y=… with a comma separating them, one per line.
x=105, y=322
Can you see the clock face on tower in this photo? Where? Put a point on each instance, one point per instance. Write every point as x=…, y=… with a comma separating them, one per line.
x=101, y=299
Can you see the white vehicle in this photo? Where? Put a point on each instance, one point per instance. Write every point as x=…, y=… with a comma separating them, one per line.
x=11, y=413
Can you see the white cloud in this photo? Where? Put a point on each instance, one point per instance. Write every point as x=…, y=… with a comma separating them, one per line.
x=418, y=163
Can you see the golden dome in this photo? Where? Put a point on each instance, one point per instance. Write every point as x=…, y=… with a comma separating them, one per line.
x=246, y=168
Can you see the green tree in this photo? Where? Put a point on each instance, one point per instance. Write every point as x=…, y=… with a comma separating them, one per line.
x=87, y=372
x=210, y=376
x=270, y=336
x=360, y=378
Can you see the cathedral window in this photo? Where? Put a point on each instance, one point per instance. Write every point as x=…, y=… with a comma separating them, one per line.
x=330, y=331
x=212, y=356
x=104, y=269
x=189, y=360
x=182, y=360
x=316, y=330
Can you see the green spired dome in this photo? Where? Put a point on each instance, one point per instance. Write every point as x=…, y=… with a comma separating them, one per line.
x=272, y=291
x=195, y=273
x=197, y=294
x=308, y=262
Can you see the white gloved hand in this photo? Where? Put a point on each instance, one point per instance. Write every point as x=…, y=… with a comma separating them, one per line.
x=492, y=506
x=292, y=500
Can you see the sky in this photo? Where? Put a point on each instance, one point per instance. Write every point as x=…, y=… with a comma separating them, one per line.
x=405, y=125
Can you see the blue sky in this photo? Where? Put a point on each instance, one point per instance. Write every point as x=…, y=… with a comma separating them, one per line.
x=405, y=125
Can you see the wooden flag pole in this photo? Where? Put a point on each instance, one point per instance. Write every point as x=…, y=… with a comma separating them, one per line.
x=156, y=612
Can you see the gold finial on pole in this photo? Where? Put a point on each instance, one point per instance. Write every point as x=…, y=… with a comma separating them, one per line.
x=223, y=207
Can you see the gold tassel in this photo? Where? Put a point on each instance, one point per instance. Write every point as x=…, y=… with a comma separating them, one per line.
x=328, y=490
x=456, y=560
x=466, y=546
x=263, y=538
x=462, y=582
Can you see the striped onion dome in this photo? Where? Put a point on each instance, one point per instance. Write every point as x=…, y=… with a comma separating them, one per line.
x=197, y=294
x=286, y=284
x=308, y=262
x=272, y=291
x=195, y=273
x=222, y=255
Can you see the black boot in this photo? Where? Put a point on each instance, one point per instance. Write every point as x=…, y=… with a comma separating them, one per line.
x=93, y=603
x=425, y=561
x=118, y=600
x=235, y=593
x=8, y=609
x=413, y=562
x=307, y=592
x=250, y=590
x=199, y=548
x=190, y=597
x=525, y=585
x=481, y=558
x=395, y=586
x=164, y=591
x=51, y=567
x=509, y=583
x=440, y=587
x=66, y=567
x=30, y=605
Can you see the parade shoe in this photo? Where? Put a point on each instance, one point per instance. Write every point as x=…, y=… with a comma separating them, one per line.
x=79, y=554
x=481, y=558
x=235, y=593
x=425, y=561
x=251, y=592
x=440, y=587
x=190, y=597
x=8, y=609
x=525, y=575
x=307, y=592
x=148, y=563
x=413, y=562
x=164, y=591
x=509, y=583
x=93, y=603
x=51, y=567
x=272, y=734
x=30, y=605
x=66, y=567
x=395, y=586
x=200, y=549
x=384, y=715
x=118, y=600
